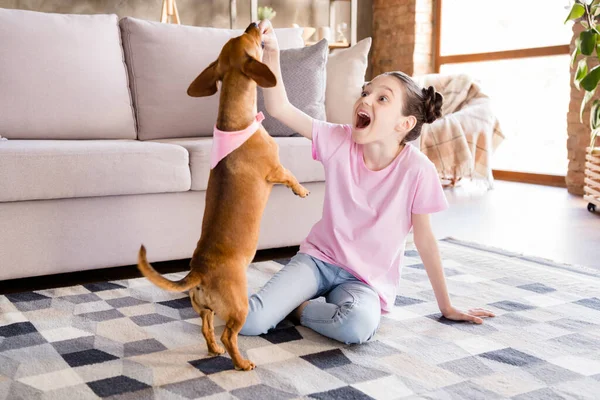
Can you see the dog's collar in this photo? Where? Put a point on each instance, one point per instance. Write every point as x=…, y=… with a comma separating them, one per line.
x=224, y=143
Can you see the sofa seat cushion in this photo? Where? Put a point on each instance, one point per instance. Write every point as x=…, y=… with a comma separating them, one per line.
x=53, y=169
x=295, y=153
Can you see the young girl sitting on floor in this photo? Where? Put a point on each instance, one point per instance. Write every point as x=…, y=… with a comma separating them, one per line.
x=377, y=188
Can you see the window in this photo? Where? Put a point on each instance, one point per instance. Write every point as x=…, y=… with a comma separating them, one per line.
x=518, y=50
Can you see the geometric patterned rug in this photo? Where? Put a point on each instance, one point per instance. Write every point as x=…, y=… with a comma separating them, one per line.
x=130, y=340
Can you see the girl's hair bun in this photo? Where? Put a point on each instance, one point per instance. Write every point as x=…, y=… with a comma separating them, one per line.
x=432, y=104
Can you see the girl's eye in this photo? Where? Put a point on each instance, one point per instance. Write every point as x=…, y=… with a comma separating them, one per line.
x=364, y=94
x=262, y=44
x=383, y=98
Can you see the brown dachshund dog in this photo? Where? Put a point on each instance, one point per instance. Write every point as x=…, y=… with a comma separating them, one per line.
x=237, y=193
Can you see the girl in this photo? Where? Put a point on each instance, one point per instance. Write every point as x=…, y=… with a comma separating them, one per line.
x=378, y=187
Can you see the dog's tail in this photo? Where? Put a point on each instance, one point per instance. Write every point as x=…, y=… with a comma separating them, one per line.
x=188, y=282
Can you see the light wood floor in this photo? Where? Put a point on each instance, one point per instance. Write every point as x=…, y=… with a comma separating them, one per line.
x=535, y=220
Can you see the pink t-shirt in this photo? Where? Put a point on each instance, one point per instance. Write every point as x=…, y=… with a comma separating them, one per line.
x=368, y=214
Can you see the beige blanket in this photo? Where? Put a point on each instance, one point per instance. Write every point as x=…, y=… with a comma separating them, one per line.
x=461, y=143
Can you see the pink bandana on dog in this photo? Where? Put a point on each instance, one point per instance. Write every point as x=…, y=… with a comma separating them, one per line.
x=224, y=143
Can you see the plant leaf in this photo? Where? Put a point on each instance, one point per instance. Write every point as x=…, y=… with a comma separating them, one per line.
x=595, y=115
x=576, y=52
x=577, y=11
x=588, y=41
x=593, y=139
x=582, y=70
x=590, y=81
x=588, y=96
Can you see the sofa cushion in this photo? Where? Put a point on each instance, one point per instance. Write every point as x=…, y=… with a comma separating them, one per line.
x=295, y=153
x=52, y=169
x=163, y=59
x=63, y=77
x=303, y=74
x=346, y=70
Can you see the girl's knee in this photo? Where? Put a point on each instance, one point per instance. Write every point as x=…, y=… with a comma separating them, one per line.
x=257, y=322
x=360, y=324
x=253, y=326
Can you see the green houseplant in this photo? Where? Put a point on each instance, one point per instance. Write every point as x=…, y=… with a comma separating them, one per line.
x=266, y=13
x=587, y=45
x=587, y=12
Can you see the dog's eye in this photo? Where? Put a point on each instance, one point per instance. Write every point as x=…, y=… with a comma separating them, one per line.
x=262, y=44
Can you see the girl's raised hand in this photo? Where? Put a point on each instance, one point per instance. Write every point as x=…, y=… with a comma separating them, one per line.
x=269, y=38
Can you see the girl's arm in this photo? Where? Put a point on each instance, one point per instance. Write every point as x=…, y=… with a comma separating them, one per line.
x=429, y=252
x=276, y=100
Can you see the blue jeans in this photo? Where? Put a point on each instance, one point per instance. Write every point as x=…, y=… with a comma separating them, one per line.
x=351, y=313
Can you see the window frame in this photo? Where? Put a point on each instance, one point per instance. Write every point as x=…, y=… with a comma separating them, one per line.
x=439, y=60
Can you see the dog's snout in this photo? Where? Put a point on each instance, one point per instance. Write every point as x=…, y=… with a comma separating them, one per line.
x=253, y=25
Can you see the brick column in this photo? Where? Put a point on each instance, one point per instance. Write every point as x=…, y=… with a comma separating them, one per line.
x=402, y=36
x=579, y=134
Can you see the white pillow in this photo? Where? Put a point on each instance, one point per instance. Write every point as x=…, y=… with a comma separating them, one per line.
x=346, y=70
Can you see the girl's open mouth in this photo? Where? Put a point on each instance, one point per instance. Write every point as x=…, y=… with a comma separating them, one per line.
x=362, y=120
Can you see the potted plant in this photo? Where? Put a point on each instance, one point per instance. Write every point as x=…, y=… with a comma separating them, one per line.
x=587, y=77
x=266, y=13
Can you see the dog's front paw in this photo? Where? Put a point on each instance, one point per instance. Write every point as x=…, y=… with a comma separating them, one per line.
x=301, y=191
x=245, y=365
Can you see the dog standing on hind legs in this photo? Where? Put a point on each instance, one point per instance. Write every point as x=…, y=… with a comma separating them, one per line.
x=244, y=167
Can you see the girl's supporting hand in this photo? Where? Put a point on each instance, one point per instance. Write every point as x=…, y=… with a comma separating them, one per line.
x=474, y=315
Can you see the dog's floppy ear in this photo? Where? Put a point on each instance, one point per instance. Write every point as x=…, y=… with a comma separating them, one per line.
x=206, y=83
x=258, y=71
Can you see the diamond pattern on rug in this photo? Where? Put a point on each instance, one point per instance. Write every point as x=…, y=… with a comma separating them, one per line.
x=261, y=392
x=74, y=345
x=355, y=373
x=26, y=296
x=511, y=356
x=511, y=306
x=537, y=287
x=283, y=335
x=194, y=388
x=346, y=392
x=179, y=304
x=19, y=328
x=117, y=385
x=150, y=319
x=87, y=357
x=327, y=359
x=213, y=365
x=121, y=302
x=593, y=303
x=406, y=301
x=82, y=298
x=140, y=347
x=101, y=286
x=131, y=340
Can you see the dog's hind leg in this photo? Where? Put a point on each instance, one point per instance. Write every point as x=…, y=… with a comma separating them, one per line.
x=229, y=339
x=208, y=328
x=235, y=309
